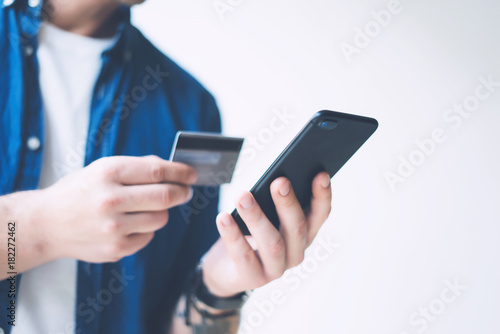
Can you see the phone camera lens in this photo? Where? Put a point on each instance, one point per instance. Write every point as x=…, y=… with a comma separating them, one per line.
x=328, y=125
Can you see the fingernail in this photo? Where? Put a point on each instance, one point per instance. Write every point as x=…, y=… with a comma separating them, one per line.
x=247, y=201
x=190, y=194
x=285, y=188
x=325, y=183
x=225, y=220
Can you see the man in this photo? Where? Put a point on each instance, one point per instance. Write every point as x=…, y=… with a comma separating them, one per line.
x=82, y=87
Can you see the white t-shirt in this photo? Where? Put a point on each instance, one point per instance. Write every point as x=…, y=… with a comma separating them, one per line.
x=69, y=67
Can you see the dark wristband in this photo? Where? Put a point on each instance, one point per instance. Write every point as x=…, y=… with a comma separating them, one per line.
x=200, y=292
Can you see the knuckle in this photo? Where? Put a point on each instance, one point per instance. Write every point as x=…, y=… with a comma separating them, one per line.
x=290, y=201
x=165, y=196
x=108, y=202
x=276, y=247
x=162, y=196
x=247, y=256
x=301, y=228
x=156, y=172
x=111, y=227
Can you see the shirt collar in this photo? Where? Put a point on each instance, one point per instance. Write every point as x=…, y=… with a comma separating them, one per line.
x=30, y=25
x=122, y=49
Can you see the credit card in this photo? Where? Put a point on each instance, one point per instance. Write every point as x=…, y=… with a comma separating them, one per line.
x=213, y=156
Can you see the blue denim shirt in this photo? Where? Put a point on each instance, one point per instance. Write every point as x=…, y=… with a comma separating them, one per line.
x=141, y=99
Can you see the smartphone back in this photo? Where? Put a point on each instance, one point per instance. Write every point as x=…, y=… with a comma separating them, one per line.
x=326, y=143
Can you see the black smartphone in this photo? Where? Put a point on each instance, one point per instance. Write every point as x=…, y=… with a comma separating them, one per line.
x=326, y=143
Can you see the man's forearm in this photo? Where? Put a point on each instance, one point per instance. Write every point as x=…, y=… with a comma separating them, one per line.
x=21, y=244
x=216, y=323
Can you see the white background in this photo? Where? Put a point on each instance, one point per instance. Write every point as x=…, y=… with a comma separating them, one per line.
x=396, y=248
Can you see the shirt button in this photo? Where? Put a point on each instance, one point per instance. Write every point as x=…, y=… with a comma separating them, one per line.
x=7, y=3
x=100, y=93
x=28, y=50
x=33, y=144
x=33, y=3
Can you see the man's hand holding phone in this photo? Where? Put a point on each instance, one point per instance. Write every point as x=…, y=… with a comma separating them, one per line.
x=238, y=263
x=272, y=213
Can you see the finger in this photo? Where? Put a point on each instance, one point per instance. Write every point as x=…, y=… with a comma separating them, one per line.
x=137, y=242
x=270, y=242
x=146, y=170
x=127, y=246
x=293, y=222
x=244, y=257
x=144, y=222
x=321, y=204
x=142, y=198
